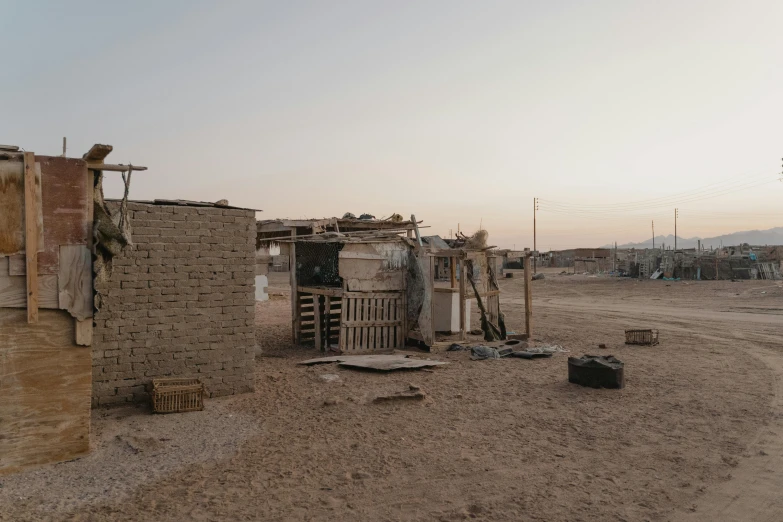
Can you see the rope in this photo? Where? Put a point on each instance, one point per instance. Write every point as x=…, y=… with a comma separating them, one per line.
x=124, y=224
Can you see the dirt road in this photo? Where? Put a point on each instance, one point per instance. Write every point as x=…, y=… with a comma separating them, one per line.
x=696, y=434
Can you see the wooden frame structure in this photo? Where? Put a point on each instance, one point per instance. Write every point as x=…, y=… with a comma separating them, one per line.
x=46, y=303
x=383, y=291
x=365, y=309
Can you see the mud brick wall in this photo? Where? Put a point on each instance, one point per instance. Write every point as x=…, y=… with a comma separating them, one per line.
x=180, y=302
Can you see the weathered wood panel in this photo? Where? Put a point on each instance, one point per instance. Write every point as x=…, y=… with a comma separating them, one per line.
x=12, y=240
x=45, y=385
x=13, y=292
x=75, y=281
x=372, y=321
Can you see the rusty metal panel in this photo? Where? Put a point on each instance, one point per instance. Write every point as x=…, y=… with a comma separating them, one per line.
x=66, y=198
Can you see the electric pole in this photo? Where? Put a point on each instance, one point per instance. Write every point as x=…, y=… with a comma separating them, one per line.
x=676, y=214
x=535, y=252
x=653, y=228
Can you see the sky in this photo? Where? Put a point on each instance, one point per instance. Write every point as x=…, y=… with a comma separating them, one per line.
x=613, y=113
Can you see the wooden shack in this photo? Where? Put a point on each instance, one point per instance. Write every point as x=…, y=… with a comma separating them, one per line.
x=349, y=293
x=47, y=205
x=46, y=308
x=372, y=291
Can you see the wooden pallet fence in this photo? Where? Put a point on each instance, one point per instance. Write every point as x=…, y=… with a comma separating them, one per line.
x=372, y=321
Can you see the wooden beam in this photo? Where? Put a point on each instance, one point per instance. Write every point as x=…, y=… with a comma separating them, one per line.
x=295, y=311
x=462, y=307
x=528, y=299
x=84, y=328
x=84, y=332
x=317, y=322
x=114, y=168
x=31, y=236
x=416, y=227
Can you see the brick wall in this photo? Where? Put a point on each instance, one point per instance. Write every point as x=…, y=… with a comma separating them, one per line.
x=180, y=302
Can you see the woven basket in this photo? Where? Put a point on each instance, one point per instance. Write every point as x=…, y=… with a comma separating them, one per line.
x=643, y=337
x=175, y=395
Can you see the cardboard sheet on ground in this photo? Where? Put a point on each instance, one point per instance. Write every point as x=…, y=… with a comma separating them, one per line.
x=375, y=362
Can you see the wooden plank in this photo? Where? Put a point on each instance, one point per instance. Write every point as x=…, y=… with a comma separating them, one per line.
x=75, y=281
x=399, y=306
x=84, y=332
x=384, y=330
x=528, y=300
x=317, y=322
x=378, y=322
x=31, y=236
x=11, y=207
x=114, y=168
x=13, y=292
x=333, y=292
x=343, y=331
x=12, y=213
x=462, y=297
x=371, y=295
x=294, y=295
x=45, y=385
x=84, y=327
x=328, y=320
x=17, y=265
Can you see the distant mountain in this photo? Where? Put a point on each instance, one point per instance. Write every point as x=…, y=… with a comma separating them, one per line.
x=772, y=236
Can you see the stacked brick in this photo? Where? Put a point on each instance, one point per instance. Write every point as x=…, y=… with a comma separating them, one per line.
x=180, y=302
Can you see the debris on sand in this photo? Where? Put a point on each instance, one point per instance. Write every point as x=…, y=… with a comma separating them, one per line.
x=376, y=362
x=480, y=353
x=596, y=371
x=531, y=355
x=537, y=277
x=412, y=393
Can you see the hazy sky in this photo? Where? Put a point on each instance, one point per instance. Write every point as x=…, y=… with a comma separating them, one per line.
x=457, y=111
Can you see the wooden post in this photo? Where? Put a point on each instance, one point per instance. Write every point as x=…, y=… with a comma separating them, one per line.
x=416, y=228
x=327, y=320
x=84, y=328
x=453, y=267
x=462, y=307
x=317, y=321
x=528, y=300
x=31, y=236
x=295, y=308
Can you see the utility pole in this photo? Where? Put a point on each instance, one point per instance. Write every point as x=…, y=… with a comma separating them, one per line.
x=653, y=227
x=614, y=259
x=676, y=214
x=535, y=252
x=64, y=147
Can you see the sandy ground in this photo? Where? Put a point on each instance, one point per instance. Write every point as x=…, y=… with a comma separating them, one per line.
x=697, y=434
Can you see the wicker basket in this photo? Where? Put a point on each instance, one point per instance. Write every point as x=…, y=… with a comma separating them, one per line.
x=643, y=337
x=175, y=395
